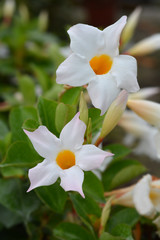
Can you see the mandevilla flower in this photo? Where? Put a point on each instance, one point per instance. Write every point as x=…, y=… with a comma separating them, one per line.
x=96, y=61
x=144, y=196
x=64, y=157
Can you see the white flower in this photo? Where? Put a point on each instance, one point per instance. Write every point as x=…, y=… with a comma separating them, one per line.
x=96, y=61
x=137, y=128
x=65, y=157
x=144, y=196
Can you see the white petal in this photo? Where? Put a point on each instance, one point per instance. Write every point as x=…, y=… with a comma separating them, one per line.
x=103, y=91
x=72, y=179
x=75, y=71
x=141, y=197
x=90, y=157
x=112, y=36
x=44, y=142
x=124, y=69
x=44, y=174
x=86, y=40
x=125, y=199
x=155, y=198
x=72, y=135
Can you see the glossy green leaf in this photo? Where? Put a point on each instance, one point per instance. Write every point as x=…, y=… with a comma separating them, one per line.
x=97, y=120
x=22, y=154
x=71, y=96
x=107, y=236
x=87, y=209
x=3, y=129
x=120, y=172
x=42, y=77
x=30, y=125
x=123, y=230
x=119, y=150
x=93, y=187
x=125, y=215
x=47, y=113
x=12, y=172
x=27, y=88
x=71, y=231
x=53, y=196
x=17, y=117
x=64, y=113
x=9, y=218
x=13, y=196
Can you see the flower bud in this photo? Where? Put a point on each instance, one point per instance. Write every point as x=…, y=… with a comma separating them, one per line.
x=8, y=8
x=146, y=46
x=43, y=21
x=83, y=109
x=129, y=29
x=24, y=13
x=114, y=113
x=149, y=111
x=144, y=93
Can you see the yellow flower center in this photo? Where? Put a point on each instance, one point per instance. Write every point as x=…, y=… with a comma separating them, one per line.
x=101, y=64
x=65, y=159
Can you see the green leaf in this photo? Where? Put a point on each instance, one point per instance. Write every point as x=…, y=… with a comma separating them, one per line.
x=22, y=154
x=17, y=117
x=120, y=172
x=27, y=89
x=30, y=125
x=53, y=196
x=126, y=215
x=119, y=150
x=97, y=120
x=71, y=231
x=107, y=236
x=64, y=113
x=122, y=230
x=71, y=96
x=47, y=112
x=14, y=198
x=42, y=77
x=87, y=209
x=8, y=218
x=93, y=187
x=3, y=129
x=12, y=172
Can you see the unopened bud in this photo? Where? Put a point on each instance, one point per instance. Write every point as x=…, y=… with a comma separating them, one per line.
x=148, y=110
x=114, y=113
x=144, y=93
x=24, y=13
x=8, y=8
x=43, y=20
x=146, y=46
x=129, y=28
x=83, y=109
x=105, y=215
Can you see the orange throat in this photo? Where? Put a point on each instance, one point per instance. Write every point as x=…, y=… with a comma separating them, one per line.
x=101, y=64
x=65, y=159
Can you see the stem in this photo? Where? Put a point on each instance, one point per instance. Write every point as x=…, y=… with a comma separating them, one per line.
x=137, y=232
x=98, y=141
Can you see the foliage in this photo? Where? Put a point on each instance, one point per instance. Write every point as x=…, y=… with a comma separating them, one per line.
x=30, y=97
